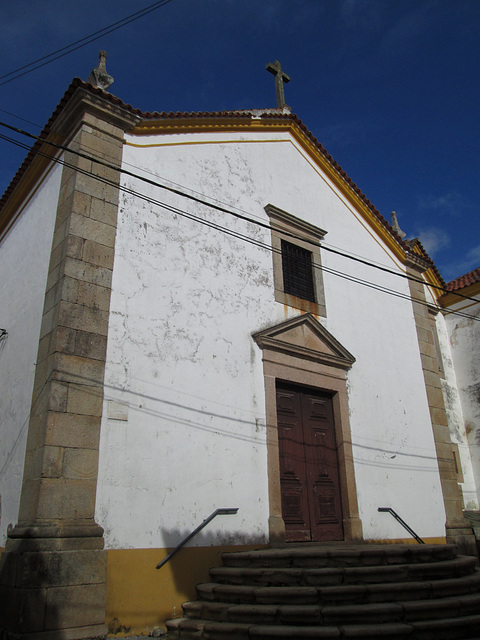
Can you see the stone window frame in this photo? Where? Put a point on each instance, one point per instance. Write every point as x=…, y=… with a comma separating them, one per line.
x=285, y=226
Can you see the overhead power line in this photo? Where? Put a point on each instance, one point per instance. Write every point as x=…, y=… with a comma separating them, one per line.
x=14, y=115
x=83, y=42
x=241, y=216
x=210, y=223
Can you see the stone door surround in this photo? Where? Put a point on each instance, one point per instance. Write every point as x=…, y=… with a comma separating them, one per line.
x=301, y=351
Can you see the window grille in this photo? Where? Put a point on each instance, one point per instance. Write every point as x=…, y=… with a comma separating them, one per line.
x=297, y=271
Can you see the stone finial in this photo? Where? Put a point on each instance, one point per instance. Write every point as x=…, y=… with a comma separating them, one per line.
x=99, y=76
x=280, y=79
x=396, y=227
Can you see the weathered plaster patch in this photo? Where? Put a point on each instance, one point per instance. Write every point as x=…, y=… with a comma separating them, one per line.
x=117, y=410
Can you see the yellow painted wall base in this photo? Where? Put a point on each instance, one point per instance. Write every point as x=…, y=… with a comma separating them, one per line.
x=140, y=597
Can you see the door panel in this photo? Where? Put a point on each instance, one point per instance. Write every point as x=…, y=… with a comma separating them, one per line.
x=293, y=470
x=311, y=505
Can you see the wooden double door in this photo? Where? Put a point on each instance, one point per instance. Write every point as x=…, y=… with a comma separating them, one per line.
x=311, y=502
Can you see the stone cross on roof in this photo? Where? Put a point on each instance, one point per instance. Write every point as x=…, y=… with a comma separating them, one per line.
x=99, y=76
x=280, y=78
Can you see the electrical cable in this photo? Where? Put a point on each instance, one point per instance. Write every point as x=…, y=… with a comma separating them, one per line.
x=325, y=245
x=211, y=224
x=86, y=40
x=78, y=44
x=9, y=113
x=235, y=234
x=231, y=232
x=235, y=214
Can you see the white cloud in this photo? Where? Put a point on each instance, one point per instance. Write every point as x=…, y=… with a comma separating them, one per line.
x=474, y=256
x=468, y=262
x=433, y=239
x=450, y=203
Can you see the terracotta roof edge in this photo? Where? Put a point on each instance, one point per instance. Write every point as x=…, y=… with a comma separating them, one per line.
x=472, y=277
x=67, y=96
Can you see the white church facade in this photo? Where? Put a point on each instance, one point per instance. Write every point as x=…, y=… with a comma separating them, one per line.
x=194, y=318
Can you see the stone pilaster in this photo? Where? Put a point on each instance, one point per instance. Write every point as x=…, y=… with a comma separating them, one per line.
x=457, y=529
x=53, y=573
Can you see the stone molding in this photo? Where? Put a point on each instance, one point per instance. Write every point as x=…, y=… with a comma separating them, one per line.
x=284, y=221
x=322, y=346
x=83, y=102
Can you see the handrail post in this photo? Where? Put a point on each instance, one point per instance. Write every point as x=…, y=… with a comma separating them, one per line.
x=217, y=512
x=402, y=522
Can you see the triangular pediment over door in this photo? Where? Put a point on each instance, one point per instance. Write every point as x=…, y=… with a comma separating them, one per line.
x=304, y=337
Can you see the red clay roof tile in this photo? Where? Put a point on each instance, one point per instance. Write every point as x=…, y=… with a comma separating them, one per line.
x=464, y=281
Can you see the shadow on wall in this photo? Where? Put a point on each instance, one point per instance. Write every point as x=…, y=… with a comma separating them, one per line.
x=27, y=596
x=141, y=598
x=208, y=544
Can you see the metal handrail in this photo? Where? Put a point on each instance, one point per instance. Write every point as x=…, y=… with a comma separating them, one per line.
x=402, y=522
x=217, y=512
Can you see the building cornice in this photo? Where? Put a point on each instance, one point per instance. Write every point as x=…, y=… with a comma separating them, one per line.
x=452, y=298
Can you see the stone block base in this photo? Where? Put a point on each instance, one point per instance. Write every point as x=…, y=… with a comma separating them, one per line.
x=50, y=590
x=464, y=538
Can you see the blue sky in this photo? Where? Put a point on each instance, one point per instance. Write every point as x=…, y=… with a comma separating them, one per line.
x=391, y=88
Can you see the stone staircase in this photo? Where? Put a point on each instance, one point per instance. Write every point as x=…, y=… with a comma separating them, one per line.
x=416, y=592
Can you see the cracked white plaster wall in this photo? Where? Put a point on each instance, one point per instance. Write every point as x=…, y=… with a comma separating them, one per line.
x=456, y=421
x=186, y=299
x=464, y=338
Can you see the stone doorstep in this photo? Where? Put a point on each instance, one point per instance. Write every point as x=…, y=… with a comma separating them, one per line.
x=367, y=631
x=448, y=628
x=404, y=612
x=293, y=633
x=340, y=595
x=447, y=609
x=422, y=610
x=230, y=631
x=465, y=584
x=445, y=629
x=331, y=576
x=185, y=629
x=346, y=555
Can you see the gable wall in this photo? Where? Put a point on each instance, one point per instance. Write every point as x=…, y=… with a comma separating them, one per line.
x=184, y=379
